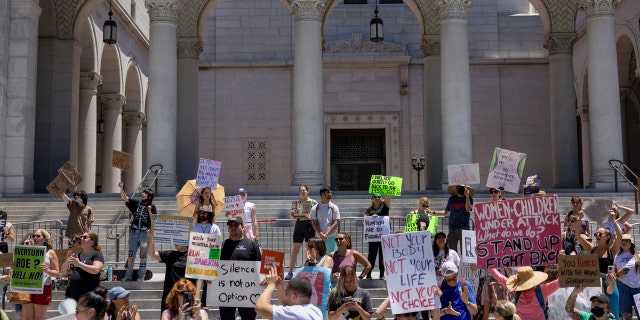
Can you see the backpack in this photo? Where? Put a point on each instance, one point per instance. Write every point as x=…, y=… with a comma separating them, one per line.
x=543, y=305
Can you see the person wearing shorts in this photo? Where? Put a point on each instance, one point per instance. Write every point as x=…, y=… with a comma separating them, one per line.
x=303, y=230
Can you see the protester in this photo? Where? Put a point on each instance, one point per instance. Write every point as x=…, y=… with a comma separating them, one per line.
x=599, y=307
x=317, y=254
x=175, y=267
x=506, y=310
x=576, y=208
x=178, y=309
x=206, y=202
x=379, y=207
x=625, y=226
x=83, y=268
x=27, y=241
x=325, y=218
x=80, y=215
x=347, y=257
x=606, y=246
x=457, y=300
x=295, y=299
x=249, y=216
x=427, y=220
x=459, y=210
x=92, y=305
x=8, y=233
x=238, y=247
x=39, y=304
x=570, y=242
x=628, y=275
x=348, y=299
x=303, y=230
x=118, y=308
x=141, y=212
x=496, y=194
x=443, y=253
x=204, y=222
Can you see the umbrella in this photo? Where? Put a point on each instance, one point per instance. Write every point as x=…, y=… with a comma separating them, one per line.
x=189, y=197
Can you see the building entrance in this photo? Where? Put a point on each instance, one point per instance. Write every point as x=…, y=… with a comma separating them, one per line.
x=356, y=154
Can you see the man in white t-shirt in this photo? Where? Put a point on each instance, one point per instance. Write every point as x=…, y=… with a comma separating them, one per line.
x=325, y=217
x=295, y=299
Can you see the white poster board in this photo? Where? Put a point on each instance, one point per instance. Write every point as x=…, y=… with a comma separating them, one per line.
x=468, y=254
x=208, y=173
x=461, y=174
x=171, y=229
x=506, y=170
x=234, y=205
x=375, y=228
x=237, y=285
x=203, y=256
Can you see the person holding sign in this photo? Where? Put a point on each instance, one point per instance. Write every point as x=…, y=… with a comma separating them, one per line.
x=426, y=220
x=325, y=217
x=83, y=268
x=295, y=299
x=207, y=201
x=457, y=297
x=8, y=231
x=349, y=300
x=607, y=245
x=346, y=257
x=39, y=304
x=303, y=230
x=80, y=214
x=599, y=307
x=459, y=210
x=175, y=267
x=180, y=307
x=628, y=272
x=379, y=208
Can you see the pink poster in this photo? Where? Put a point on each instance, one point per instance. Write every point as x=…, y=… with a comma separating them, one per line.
x=517, y=232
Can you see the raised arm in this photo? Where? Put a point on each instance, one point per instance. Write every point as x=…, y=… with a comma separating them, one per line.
x=66, y=199
x=387, y=200
x=570, y=307
x=617, y=242
x=123, y=195
x=155, y=255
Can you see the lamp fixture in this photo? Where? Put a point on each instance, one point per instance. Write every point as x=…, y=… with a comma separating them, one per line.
x=100, y=124
x=109, y=29
x=375, y=27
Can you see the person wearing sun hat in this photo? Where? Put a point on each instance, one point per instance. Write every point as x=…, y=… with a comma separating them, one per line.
x=457, y=299
x=379, y=208
x=459, y=210
x=600, y=307
x=528, y=286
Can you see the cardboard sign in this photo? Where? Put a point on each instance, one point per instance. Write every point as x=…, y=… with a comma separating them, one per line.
x=385, y=185
x=58, y=186
x=460, y=174
x=238, y=284
x=468, y=254
x=375, y=228
x=120, y=160
x=506, y=170
x=208, y=173
x=26, y=275
x=410, y=269
x=320, y=279
x=234, y=205
x=597, y=209
x=71, y=173
x=302, y=208
x=203, y=256
x=517, y=232
x=171, y=229
x=6, y=260
x=271, y=258
x=579, y=270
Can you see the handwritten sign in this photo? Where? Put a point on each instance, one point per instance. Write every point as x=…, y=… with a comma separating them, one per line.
x=238, y=285
x=234, y=205
x=517, y=232
x=385, y=185
x=410, y=270
x=208, y=173
x=203, y=256
x=460, y=174
x=302, y=209
x=320, y=279
x=26, y=276
x=171, y=229
x=58, y=186
x=71, y=173
x=468, y=254
x=579, y=270
x=506, y=170
x=636, y=299
x=271, y=258
x=375, y=228
x=597, y=209
x=410, y=223
x=120, y=160
x=473, y=277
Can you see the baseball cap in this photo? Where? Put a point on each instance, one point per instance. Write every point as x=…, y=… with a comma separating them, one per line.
x=448, y=268
x=242, y=190
x=118, y=293
x=601, y=297
x=235, y=219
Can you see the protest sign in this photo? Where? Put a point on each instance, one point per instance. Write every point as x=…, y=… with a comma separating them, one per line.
x=171, y=229
x=208, y=173
x=597, y=209
x=120, y=160
x=58, y=186
x=320, y=279
x=460, y=174
x=636, y=299
x=3, y=223
x=375, y=228
x=203, y=256
x=26, y=276
x=385, y=185
x=301, y=208
x=410, y=270
x=410, y=223
x=532, y=185
x=517, y=232
x=71, y=173
x=237, y=285
x=473, y=277
x=506, y=170
x=468, y=254
x=234, y=205
x=6, y=260
x=271, y=258
x=579, y=270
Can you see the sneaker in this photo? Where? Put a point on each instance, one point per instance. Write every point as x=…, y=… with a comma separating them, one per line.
x=382, y=277
x=140, y=280
x=289, y=276
x=369, y=277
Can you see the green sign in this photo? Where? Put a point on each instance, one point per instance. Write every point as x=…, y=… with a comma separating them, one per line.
x=385, y=185
x=27, y=275
x=410, y=225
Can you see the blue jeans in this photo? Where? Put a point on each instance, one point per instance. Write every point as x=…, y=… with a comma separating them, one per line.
x=626, y=300
x=137, y=240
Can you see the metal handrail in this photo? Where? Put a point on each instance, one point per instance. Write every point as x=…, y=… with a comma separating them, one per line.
x=617, y=165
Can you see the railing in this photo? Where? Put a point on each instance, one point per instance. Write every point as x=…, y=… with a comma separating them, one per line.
x=617, y=167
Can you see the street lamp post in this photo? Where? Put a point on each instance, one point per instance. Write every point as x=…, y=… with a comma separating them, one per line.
x=418, y=165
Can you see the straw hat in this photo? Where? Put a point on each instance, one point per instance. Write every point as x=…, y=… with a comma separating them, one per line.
x=525, y=279
x=453, y=190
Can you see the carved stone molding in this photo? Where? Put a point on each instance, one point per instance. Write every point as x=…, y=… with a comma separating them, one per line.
x=162, y=11
x=113, y=101
x=312, y=10
x=188, y=16
x=430, y=45
x=562, y=15
x=134, y=119
x=595, y=8
x=560, y=43
x=358, y=44
x=189, y=48
x=65, y=15
x=90, y=80
x=453, y=9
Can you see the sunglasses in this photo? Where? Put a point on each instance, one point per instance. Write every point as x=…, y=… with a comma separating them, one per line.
x=85, y=237
x=598, y=234
x=339, y=239
x=377, y=197
x=425, y=206
x=36, y=236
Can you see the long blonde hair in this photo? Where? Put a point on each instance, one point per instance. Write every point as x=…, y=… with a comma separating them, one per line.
x=340, y=290
x=507, y=310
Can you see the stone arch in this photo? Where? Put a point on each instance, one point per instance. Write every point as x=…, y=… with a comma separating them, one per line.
x=133, y=89
x=110, y=69
x=624, y=49
x=88, y=42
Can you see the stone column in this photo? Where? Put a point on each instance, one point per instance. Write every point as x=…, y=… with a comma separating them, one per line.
x=457, y=144
x=111, y=139
x=163, y=96
x=432, y=110
x=604, y=100
x=188, y=128
x=87, y=130
x=564, y=137
x=133, y=146
x=308, y=107
x=583, y=113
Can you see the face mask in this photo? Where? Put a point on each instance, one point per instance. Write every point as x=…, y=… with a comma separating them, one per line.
x=598, y=312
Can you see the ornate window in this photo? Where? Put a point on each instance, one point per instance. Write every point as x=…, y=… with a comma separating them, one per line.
x=256, y=161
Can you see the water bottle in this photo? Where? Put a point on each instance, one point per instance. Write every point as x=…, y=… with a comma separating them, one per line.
x=110, y=273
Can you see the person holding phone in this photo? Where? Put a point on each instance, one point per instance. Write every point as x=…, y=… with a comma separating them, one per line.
x=628, y=273
x=181, y=303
